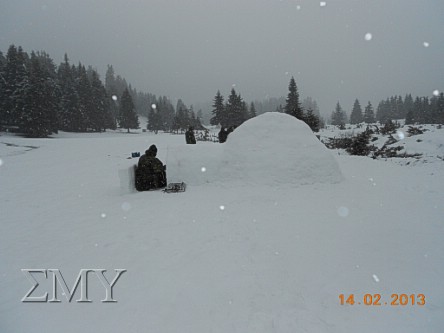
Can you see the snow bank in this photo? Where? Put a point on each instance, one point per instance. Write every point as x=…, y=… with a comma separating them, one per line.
x=276, y=148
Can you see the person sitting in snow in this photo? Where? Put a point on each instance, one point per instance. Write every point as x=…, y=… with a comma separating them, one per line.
x=189, y=136
x=150, y=172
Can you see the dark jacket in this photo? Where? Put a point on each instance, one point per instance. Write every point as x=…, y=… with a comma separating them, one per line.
x=150, y=172
x=189, y=136
x=223, y=135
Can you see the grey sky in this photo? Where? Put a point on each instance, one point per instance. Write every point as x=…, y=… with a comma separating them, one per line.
x=191, y=48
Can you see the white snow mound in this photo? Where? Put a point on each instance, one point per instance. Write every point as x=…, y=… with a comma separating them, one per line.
x=276, y=148
x=270, y=149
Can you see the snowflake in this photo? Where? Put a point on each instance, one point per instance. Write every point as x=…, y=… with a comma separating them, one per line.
x=126, y=206
x=343, y=211
x=400, y=135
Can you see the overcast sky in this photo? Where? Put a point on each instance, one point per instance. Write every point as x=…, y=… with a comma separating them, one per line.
x=189, y=49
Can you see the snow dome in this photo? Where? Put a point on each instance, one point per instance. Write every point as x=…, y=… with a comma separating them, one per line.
x=276, y=148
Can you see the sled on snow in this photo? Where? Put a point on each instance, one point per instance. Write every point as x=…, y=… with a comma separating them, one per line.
x=175, y=187
x=156, y=182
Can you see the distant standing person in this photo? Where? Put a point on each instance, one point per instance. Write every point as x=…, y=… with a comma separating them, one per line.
x=189, y=136
x=223, y=133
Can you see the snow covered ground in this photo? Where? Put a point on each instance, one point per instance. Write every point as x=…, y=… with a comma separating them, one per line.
x=240, y=251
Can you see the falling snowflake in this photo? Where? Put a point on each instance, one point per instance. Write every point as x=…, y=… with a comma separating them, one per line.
x=426, y=44
x=375, y=277
x=114, y=97
x=435, y=93
x=222, y=207
x=298, y=7
x=203, y=169
x=368, y=36
x=1, y=162
x=126, y=206
x=233, y=85
x=343, y=211
x=323, y=3
x=154, y=106
x=400, y=135
x=103, y=215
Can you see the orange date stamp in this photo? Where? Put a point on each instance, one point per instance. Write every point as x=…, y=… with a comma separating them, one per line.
x=378, y=300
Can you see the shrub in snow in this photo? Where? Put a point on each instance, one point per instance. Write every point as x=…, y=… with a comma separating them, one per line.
x=389, y=127
x=414, y=131
x=360, y=144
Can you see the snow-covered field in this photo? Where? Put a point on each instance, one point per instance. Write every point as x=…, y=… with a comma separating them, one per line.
x=272, y=229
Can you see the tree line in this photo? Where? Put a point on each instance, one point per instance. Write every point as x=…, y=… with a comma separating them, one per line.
x=421, y=110
x=38, y=98
x=235, y=110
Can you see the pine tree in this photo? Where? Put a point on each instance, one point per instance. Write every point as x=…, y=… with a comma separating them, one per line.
x=51, y=84
x=292, y=106
x=2, y=88
x=69, y=97
x=440, y=109
x=312, y=120
x=154, y=119
x=15, y=79
x=99, y=116
x=410, y=118
x=408, y=105
x=235, y=111
x=127, y=116
x=37, y=99
x=383, y=111
x=218, y=110
x=252, y=112
x=369, y=114
x=338, y=117
x=112, y=91
x=83, y=88
x=356, y=116
x=182, y=119
x=310, y=104
x=360, y=144
x=166, y=113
